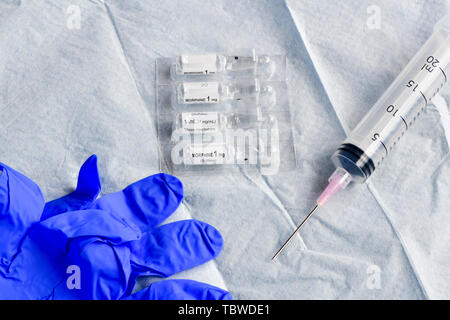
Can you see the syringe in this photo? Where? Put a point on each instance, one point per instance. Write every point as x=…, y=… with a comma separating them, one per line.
x=391, y=116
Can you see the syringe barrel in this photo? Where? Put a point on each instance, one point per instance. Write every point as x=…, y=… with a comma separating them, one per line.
x=397, y=109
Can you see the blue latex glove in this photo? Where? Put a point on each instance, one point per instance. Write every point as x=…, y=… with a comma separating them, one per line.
x=111, y=240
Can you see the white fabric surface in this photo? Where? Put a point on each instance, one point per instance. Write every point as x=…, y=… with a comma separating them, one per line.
x=70, y=89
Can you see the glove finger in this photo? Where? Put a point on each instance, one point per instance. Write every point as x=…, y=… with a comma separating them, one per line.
x=145, y=203
x=86, y=223
x=21, y=204
x=174, y=247
x=89, y=239
x=180, y=290
x=103, y=268
x=84, y=196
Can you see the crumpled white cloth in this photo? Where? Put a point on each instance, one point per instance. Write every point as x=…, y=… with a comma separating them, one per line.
x=78, y=77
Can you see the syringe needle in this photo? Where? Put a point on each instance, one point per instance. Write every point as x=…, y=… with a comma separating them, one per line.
x=298, y=228
x=338, y=180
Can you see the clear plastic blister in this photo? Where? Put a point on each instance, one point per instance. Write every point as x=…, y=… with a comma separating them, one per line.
x=231, y=116
x=237, y=94
x=242, y=63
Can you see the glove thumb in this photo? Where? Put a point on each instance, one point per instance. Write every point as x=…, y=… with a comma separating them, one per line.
x=88, y=188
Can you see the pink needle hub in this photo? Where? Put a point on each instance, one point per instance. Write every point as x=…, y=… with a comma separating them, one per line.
x=337, y=181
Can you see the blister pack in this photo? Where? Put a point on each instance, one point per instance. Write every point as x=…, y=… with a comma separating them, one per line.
x=242, y=63
x=223, y=113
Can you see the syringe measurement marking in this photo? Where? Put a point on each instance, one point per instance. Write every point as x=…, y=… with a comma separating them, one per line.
x=390, y=109
x=384, y=147
x=445, y=76
x=426, y=101
x=434, y=63
x=404, y=122
x=409, y=85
